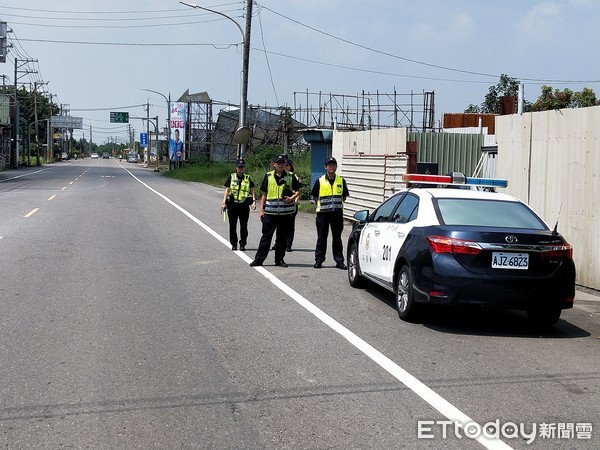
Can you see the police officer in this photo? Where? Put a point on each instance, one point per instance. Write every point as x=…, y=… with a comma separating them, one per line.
x=237, y=198
x=289, y=168
x=277, y=205
x=330, y=192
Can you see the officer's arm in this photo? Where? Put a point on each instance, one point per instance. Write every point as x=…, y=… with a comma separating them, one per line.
x=225, y=197
x=263, y=199
x=253, y=194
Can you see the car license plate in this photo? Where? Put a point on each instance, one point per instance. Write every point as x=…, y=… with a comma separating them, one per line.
x=501, y=260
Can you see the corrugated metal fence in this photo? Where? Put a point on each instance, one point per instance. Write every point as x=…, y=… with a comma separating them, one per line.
x=453, y=152
x=371, y=179
x=552, y=161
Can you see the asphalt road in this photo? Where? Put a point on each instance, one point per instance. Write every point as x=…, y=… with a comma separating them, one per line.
x=127, y=322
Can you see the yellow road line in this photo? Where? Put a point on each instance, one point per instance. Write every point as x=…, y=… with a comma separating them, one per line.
x=32, y=212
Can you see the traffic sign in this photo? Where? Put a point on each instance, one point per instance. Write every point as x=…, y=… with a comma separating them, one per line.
x=144, y=139
x=119, y=117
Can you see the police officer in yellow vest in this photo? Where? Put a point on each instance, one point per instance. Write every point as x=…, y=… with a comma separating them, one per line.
x=238, y=197
x=277, y=205
x=330, y=192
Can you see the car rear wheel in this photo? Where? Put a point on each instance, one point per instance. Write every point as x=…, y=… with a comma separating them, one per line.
x=543, y=319
x=405, y=297
x=354, y=277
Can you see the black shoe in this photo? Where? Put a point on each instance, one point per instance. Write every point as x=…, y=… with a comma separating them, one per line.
x=234, y=247
x=341, y=266
x=281, y=263
x=243, y=248
x=318, y=265
x=255, y=263
x=288, y=249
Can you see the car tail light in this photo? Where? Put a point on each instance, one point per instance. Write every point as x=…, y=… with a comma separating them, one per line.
x=558, y=251
x=444, y=244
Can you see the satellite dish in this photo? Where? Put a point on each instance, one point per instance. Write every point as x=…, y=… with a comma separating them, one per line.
x=242, y=135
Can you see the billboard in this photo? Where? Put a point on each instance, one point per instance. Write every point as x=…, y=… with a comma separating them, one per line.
x=177, y=125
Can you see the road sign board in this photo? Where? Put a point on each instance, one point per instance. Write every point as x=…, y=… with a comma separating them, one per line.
x=144, y=139
x=119, y=117
x=67, y=122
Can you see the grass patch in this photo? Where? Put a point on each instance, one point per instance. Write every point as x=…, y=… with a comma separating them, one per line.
x=215, y=173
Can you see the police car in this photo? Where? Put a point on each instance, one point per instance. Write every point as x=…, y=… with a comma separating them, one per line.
x=448, y=246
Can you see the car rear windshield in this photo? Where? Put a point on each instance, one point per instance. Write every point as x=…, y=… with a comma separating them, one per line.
x=487, y=213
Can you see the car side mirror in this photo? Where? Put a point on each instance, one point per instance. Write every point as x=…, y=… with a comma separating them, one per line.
x=361, y=216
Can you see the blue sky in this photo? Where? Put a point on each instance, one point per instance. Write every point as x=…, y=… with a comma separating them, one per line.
x=92, y=57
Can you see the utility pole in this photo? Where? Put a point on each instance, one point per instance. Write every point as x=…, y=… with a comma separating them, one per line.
x=37, y=138
x=15, y=155
x=245, y=65
x=147, y=160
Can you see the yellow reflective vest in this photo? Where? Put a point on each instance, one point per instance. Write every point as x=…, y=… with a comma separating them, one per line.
x=240, y=190
x=330, y=196
x=274, y=203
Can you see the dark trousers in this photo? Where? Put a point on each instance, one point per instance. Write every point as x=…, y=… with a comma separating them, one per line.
x=278, y=225
x=335, y=221
x=292, y=231
x=242, y=212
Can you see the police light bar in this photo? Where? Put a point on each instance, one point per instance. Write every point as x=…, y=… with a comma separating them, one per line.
x=457, y=179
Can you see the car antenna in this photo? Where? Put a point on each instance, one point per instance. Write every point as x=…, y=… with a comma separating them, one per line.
x=555, y=231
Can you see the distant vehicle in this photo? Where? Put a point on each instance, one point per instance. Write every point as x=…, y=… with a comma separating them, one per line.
x=64, y=156
x=105, y=155
x=94, y=155
x=462, y=247
x=132, y=158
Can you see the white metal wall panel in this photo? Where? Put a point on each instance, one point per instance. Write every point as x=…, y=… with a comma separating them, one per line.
x=374, y=142
x=552, y=161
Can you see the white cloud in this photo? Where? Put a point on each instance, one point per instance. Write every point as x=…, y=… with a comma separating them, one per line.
x=540, y=20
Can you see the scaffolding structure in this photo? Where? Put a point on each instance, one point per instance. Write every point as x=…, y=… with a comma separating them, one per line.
x=200, y=124
x=278, y=125
x=366, y=111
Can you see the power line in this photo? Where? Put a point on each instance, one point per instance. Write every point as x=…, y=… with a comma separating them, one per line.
x=110, y=19
x=108, y=12
x=262, y=37
x=414, y=61
x=139, y=44
x=116, y=26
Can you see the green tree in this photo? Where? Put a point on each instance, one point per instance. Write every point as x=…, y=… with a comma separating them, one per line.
x=507, y=86
x=556, y=99
x=27, y=107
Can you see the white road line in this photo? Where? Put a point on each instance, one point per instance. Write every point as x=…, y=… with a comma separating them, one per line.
x=63, y=188
x=429, y=395
x=32, y=212
x=52, y=197
x=71, y=182
x=24, y=175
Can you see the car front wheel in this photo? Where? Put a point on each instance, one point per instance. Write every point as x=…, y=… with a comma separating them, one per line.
x=354, y=277
x=405, y=297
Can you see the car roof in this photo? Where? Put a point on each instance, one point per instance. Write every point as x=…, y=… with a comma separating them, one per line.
x=460, y=193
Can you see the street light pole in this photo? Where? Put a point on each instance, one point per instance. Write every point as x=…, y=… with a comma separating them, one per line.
x=243, y=133
x=168, y=122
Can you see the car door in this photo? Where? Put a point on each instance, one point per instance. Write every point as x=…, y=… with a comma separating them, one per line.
x=392, y=238
x=371, y=249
